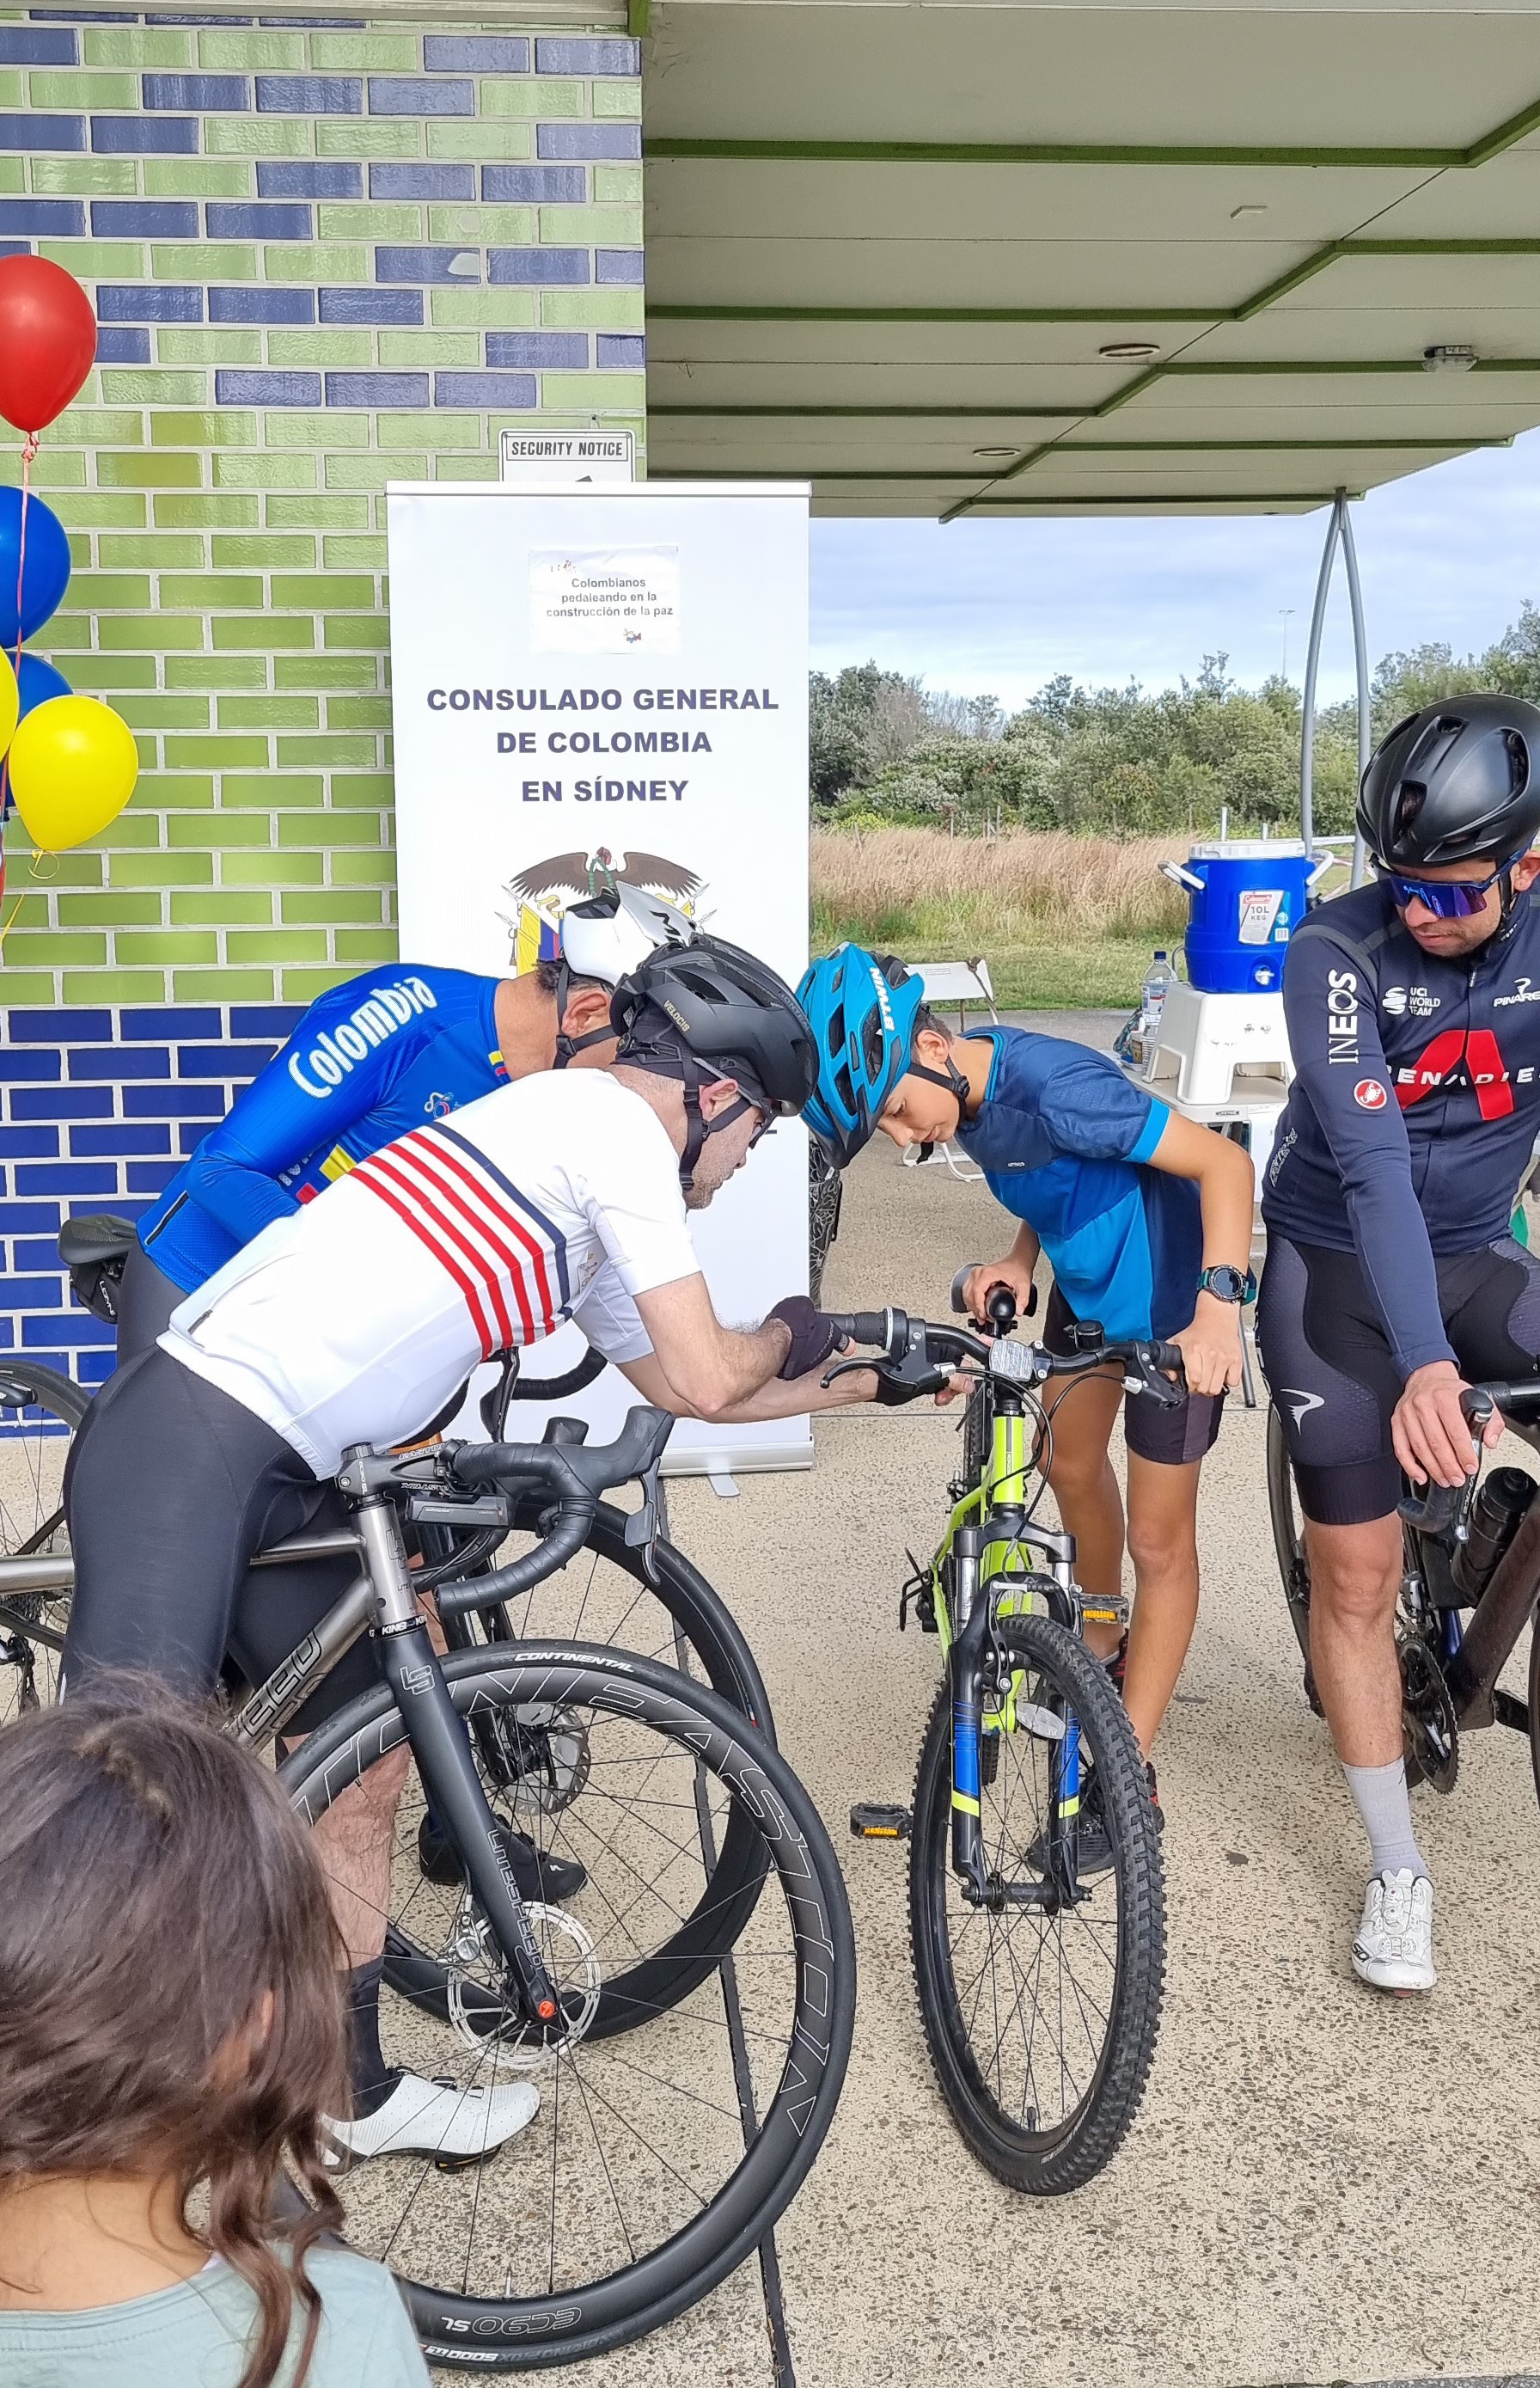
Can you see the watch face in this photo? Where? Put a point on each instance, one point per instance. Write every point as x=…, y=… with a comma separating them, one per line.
x=1228, y=1283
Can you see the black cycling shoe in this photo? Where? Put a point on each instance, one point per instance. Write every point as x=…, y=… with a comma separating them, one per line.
x=538, y=1872
x=1093, y=1848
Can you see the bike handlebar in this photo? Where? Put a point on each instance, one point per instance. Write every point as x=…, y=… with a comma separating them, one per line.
x=576, y=1476
x=1435, y=1508
x=924, y=1352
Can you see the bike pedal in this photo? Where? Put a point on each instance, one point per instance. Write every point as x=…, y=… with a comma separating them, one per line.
x=459, y=2163
x=872, y=1821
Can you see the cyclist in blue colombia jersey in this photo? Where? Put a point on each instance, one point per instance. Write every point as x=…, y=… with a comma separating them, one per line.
x=1414, y=1020
x=1146, y=1218
x=371, y=1059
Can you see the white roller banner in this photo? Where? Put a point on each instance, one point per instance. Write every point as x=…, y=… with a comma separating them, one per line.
x=614, y=680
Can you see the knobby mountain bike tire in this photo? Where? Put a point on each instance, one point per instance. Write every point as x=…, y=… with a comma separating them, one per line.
x=607, y=2218
x=1023, y=2007
x=39, y=1412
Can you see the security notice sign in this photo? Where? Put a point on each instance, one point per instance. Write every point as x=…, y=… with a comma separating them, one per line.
x=541, y=456
x=611, y=682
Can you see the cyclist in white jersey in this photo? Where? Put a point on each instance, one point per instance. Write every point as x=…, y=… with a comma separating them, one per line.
x=356, y=1319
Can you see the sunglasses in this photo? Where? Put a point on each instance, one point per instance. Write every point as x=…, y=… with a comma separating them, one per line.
x=1447, y=899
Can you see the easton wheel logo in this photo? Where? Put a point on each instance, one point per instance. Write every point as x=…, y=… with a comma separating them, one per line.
x=1370, y=1095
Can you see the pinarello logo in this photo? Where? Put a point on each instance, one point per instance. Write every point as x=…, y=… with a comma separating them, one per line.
x=1370, y=1095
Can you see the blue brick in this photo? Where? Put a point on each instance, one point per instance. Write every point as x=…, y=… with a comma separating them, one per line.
x=146, y=136
x=568, y=349
x=261, y=303
x=42, y=132
x=16, y=249
x=421, y=182
x=233, y=388
x=475, y=54
x=65, y=1177
x=618, y=265
x=42, y=219
x=34, y=1252
x=93, y=1368
x=560, y=186
x=145, y=218
x=377, y=389
x=26, y=47
x=311, y=95
x=203, y=95
x=28, y=1064
x=28, y=1143
x=249, y=220
x=620, y=350
x=121, y=345
x=100, y=1061
x=60, y=1027
x=393, y=264
x=55, y=1330
x=614, y=57
x=89, y=1143
x=233, y=1063
x=34, y=1293
x=173, y=1103
x=162, y=1023
x=165, y=302
x=537, y=265
x=278, y=1020
x=371, y=306
x=493, y=389
x=29, y=1218
x=309, y=178
x=55, y=1103
x=151, y=1177
x=587, y=141
x=416, y=96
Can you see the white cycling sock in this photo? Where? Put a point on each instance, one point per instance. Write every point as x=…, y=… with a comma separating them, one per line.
x=1385, y=1810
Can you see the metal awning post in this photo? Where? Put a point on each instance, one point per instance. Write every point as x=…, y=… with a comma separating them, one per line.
x=1338, y=528
x=1360, y=664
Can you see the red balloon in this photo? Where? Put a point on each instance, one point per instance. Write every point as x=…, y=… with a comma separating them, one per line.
x=47, y=340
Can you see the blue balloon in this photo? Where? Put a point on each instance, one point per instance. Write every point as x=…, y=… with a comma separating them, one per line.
x=37, y=681
x=45, y=575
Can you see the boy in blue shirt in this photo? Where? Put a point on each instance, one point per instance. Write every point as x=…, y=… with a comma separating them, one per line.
x=1147, y=1219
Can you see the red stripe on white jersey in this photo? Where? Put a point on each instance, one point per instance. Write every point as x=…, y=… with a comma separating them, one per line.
x=465, y=1221
x=498, y=1268
x=410, y=1215
x=493, y=1203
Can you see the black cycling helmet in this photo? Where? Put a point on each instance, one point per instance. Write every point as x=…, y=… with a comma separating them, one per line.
x=1457, y=782
x=711, y=1011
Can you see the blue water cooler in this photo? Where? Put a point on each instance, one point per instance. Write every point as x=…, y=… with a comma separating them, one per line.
x=1246, y=896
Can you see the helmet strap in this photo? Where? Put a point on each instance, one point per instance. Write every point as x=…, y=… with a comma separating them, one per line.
x=698, y=1127
x=952, y=1079
x=567, y=1046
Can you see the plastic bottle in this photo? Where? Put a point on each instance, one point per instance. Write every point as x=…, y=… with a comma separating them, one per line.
x=1158, y=981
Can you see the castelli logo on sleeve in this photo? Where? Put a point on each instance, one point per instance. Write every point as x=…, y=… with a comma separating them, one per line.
x=1370, y=1095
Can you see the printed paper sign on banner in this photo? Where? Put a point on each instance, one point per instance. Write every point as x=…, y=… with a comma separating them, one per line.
x=612, y=681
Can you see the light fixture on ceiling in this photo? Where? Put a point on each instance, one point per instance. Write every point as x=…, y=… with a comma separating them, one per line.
x=995, y=454
x=1448, y=360
x=1128, y=352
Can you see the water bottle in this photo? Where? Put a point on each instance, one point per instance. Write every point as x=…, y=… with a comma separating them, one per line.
x=1158, y=981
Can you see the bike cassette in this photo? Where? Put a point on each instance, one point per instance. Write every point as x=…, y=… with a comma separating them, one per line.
x=1428, y=1723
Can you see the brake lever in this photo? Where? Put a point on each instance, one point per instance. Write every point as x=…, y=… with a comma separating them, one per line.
x=1141, y=1376
x=641, y=1525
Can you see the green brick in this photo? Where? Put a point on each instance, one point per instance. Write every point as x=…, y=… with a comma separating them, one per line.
x=353, y=788
x=85, y=178
x=199, y=178
x=330, y=905
x=404, y=431
x=13, y=176
x=93, y=426
x=427, y=347
x=131, y=389
x=328, y=673
x=310, y=513
x=328, y=829
x=167, y=946
x=358, y=713
x=465, y=137
x=19, y=987
x=298, y=260
x=210, y=261
x=161, y=631
x=138, y=548
x=90, y=591
x=148, y=714
x=57, y=946
x=373, y=472
x=369, y=868
x=611, y=309
x=97, y=261
x=327, y=346
x=159, y=868
x=236, y=51
x=66, y=630
x=176, y=791
x=361, y=945
x=264, y=791
x=280, y=472
x=371, y=53
x=230, y=510
x=208, y=427
x=217, y=830
x=270, y=713
x=594, y=390
x=282, y=429
x=75, y=90
x=109, y=911
x=267, y=553
x=50, y=470
x=484, y=468
x=113, y=987
x=10, y=91
x=210, y=909
x=132, y=828
x=73, y=870
x=295, y=753
x=220, y=344
x=359, y=136
x=304, y=985
x=220, y=673
x=617, y=97
x=216, y=753
x=210, y=590
x=268, y=870
x=223, y=987
x=84, y=510
x=342, y=220
x=338, y=553
x=135, y=46
x=264, y=631
x=257, y=136
x=503, y=308
x=93, y=675
x=278, y=944
x=31, y=912
x=321, y=589
x=614, y=185
x=593, y=227
x=480, y=225
x=541, y=97
x=356, y=630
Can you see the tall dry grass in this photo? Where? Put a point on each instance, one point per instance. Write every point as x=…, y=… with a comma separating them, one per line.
x=979, y=895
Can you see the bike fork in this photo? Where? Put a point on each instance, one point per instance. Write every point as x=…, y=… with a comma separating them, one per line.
x=964, y=1667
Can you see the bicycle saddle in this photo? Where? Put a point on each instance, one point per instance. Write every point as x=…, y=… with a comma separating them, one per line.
x=99, y=1237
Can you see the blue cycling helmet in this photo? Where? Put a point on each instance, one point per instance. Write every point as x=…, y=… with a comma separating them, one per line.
x=862, y=1012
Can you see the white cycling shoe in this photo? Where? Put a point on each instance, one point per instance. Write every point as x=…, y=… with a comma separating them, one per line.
x=1393, y=1947
x=438, y=2119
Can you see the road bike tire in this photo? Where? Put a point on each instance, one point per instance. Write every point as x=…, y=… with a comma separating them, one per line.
x=1045, y=2158
x=1534, y=1707
x=1288, y=1541
x=666, y=1733
x=40, y=1410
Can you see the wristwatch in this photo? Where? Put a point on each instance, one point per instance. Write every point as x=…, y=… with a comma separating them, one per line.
x=1227, y=1284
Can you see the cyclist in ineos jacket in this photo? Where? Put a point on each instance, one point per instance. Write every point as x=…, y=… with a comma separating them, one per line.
x=1392, y=1277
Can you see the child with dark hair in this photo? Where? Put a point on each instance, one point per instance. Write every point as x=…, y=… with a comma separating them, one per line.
x=171, y=2023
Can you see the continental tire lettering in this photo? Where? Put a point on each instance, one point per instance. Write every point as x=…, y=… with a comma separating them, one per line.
x=1342, y=1016
x=337, y=1051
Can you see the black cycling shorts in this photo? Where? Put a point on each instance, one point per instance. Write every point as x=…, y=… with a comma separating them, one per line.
x=147, y=1297
x=170, y=1488
x=1172, y=1438
x=1329, y=1367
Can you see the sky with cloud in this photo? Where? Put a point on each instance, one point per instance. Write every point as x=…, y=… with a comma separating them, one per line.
x=1001, y=606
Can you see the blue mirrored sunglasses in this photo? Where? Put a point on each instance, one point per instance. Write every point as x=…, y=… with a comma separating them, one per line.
x=1447, y=899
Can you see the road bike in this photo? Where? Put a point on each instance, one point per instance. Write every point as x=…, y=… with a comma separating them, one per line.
x=1036, y=1889
x=1470, y=1577
x=662, y=2152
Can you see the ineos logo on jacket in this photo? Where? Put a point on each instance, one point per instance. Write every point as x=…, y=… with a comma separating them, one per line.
x=337, y=1051
x=1342, y=1016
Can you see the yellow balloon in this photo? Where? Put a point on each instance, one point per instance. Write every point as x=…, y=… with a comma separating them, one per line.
x=10, y=702
x=72, y=765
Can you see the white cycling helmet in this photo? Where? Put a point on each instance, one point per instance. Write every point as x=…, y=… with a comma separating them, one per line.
x=604, y=937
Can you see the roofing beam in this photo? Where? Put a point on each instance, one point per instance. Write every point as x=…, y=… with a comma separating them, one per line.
x=1182, y=499
x=1455, y=439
